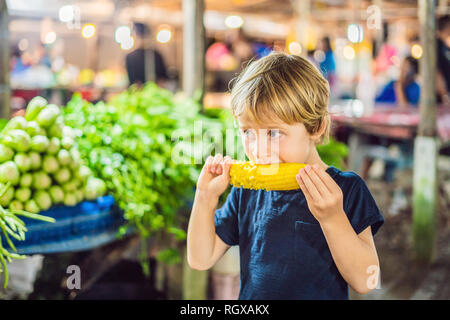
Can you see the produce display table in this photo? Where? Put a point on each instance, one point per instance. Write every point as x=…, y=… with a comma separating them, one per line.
x=85, y=226
x=386, y=121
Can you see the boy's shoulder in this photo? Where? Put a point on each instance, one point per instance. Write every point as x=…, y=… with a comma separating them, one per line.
x=359, y=204
x=353, y=187
x=347, y=180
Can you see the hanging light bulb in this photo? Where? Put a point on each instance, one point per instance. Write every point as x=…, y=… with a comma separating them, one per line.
x=416, y=51
x=355, y=33
x=349, y=52
x=122, y=33
x=234, y=22
x=164, y=34
x=88, y=31
x=127, y=44
x=50, y=37
x=295, y=48
x=66, y=13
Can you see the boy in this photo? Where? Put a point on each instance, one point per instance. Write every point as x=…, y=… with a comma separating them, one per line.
x=309, y=243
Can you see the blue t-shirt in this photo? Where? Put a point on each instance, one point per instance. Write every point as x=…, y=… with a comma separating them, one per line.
x=328, y=65
x=283, y=251
x=388, y=95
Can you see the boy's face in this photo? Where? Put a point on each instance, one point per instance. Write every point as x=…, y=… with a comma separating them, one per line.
x=275, y=142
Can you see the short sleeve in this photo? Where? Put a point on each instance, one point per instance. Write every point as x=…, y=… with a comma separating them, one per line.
x=361, y=208
x=226, y=219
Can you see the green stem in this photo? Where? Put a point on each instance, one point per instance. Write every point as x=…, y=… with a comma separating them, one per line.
x=15, y=225
x=12, y=233
x=6, y=253
x=33, y=215
x=16, y=236
x=2, y=226
x=5, y=269
x=4, y=189
x=15, y=218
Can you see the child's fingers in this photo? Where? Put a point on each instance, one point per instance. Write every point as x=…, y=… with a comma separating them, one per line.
x=327, y=179
x=226, y=165
x=303, y=188
x=317, y=181
x=216, y=164
x=312, y=190
x=205, y=171
x=208, y=163
x=211, y=165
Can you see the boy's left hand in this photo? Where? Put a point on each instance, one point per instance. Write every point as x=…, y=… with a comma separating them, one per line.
x=324, y=196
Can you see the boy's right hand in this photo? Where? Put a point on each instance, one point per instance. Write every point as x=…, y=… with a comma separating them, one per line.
x=215, y=175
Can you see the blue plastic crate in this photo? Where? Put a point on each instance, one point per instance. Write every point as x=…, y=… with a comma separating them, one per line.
x=83, y=226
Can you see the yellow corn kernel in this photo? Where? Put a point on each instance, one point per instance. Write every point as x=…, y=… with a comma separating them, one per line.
x=277, y=176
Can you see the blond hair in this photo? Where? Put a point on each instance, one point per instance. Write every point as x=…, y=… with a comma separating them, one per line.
x=287, y=86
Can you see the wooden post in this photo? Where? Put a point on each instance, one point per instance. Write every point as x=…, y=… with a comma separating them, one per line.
x=425, y=146
x=193, y=49
x=379, y=33
x=5, y=90
x=195, y=283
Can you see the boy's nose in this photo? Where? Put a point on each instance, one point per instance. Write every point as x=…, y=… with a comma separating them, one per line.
x=263, y=152
x=262, y=148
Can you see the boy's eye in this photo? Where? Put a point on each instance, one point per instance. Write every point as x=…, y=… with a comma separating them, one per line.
x=274, y=133
x=248, y=133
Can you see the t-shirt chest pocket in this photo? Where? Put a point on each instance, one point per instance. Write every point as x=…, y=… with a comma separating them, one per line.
x=310, y=246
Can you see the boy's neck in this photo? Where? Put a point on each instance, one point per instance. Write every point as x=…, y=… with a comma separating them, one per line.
x=314, y=158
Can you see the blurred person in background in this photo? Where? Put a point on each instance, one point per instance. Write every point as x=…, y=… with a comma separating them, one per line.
x=18, y=106
x=17, y=64
x=443, y=59
x=328, y=64
x=225, y=58
x=310, y=57
x=404, y=91
x=241, y=47
x=43, y=56
x=145, y=63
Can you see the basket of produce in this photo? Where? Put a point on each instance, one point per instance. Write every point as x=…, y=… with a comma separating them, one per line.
x=41, y=172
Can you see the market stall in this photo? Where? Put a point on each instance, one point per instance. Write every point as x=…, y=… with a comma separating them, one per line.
x=113, y=164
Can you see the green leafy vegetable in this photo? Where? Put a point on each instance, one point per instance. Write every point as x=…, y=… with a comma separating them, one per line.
x=34, y=108
x=9, y=173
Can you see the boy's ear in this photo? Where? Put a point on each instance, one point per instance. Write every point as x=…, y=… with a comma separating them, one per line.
x=320, y=131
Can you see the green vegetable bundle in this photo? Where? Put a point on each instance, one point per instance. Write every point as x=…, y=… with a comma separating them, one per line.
x=41, y=161
x=40, y=166
x=129, y=143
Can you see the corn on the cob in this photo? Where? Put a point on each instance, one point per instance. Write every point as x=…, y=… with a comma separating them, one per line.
x=278, y=176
